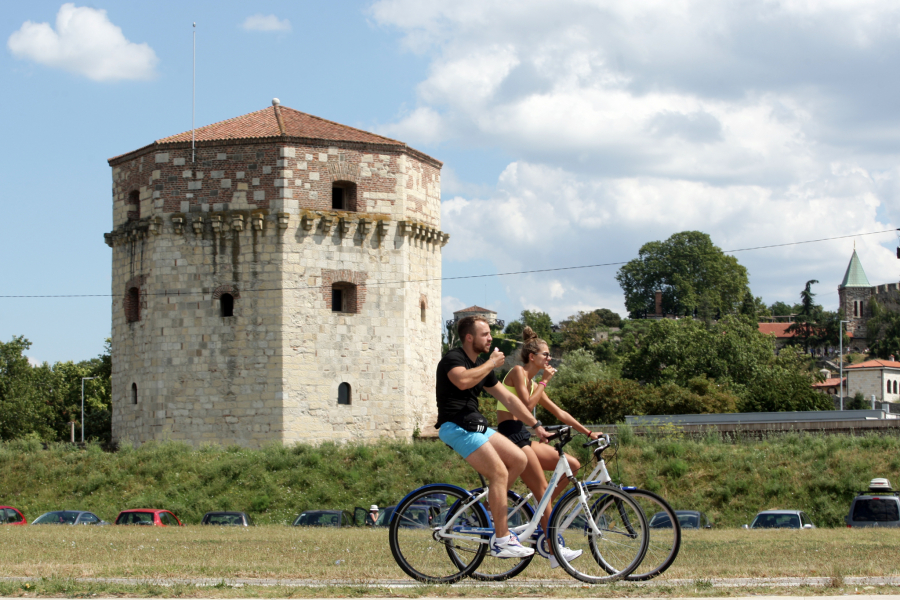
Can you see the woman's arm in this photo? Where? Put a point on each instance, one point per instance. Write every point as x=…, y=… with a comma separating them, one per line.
x=520, y=384
x=565, y=418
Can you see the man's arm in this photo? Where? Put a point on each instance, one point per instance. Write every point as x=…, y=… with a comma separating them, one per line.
x=465, y=379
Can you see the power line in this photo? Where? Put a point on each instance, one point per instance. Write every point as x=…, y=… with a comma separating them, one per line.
x=460, y=277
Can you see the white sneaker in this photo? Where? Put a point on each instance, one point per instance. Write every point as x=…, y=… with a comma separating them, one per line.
x=511, y=549
x=567, y=554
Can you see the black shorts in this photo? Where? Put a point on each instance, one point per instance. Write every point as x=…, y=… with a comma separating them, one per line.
x=516, y=432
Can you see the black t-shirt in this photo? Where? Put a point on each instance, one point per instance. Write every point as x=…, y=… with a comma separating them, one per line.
x=452, y=401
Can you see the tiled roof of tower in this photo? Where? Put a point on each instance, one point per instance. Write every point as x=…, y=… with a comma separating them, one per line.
x=265, y=124
x=855, y=276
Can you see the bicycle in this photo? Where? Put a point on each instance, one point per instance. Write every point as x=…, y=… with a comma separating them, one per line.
x=662, y=550
x=440, y=533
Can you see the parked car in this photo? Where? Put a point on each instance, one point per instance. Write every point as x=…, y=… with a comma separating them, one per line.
x=227, y=518
x=69, y=517
x=877, y=507
x=688, y=519
x=781, y=519
x=9, y=515
x=422, y=514
x=324, y=518
x=148, y=516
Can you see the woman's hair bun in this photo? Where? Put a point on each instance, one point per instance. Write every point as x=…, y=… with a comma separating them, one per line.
x=528, y=334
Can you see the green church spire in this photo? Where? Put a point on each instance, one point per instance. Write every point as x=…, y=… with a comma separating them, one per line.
x=855, y=276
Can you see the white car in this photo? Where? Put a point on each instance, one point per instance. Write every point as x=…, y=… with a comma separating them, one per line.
x=781, y=519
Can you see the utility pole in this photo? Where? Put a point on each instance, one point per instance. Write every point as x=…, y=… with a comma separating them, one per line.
x=841, y=340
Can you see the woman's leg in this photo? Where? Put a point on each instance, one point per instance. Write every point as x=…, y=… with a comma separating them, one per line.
x=533, y=478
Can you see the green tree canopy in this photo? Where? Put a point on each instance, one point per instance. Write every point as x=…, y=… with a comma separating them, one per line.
x=694, y=275
x=884, y=328
x=540, y=322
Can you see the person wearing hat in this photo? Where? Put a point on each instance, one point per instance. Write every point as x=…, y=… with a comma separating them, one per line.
x=372, y=516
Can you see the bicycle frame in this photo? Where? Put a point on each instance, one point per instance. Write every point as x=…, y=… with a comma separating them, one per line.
x=527, y=530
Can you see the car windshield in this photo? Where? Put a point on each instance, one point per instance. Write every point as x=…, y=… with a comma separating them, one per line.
x=661, y=519
x=876, y=510
x=319, y=519
x=225, y=519
x=384, y=517
x=61, y=517
x=775, y=521
x=689, y=521
x=135, y=518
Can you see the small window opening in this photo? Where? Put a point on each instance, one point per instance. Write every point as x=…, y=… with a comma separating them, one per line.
x=134, y=393
x=344, y=394
x=337, y=300
x=343, y=195
x=855, y=308
x=134, y=205
x=133, y=305
x=422, y=311
x=895, y=387
x=226, y=305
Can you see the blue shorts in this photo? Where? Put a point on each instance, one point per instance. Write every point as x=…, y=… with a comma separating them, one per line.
x=464, y=442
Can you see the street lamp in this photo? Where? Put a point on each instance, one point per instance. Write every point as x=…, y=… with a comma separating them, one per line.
x=82, y=406
x=841, y=341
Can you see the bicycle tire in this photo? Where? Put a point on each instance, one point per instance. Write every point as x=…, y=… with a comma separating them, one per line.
x=501, y=569
x=413, y=534
x=665, y=542
x=622, y=542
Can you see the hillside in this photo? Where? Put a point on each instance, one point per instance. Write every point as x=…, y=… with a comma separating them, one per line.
x=730, y=482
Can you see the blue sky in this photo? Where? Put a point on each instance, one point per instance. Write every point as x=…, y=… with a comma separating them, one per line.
x=575, y=131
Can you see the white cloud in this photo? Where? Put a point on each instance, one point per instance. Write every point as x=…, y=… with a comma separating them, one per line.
x=33, y=361
x=85, y=42
x=260, y=22
x=758, y=123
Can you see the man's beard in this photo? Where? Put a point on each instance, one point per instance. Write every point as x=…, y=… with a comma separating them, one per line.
x=485, y=349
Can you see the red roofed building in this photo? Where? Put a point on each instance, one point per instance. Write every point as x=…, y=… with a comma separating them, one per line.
x=879, y=378
x=276, y=278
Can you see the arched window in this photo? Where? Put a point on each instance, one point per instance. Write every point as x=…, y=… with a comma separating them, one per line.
x=344, y=393
x=134, y=393
x=226, y=305
x=895, y=386
x=343, y=195
x=343, y=297
x=133, y=305
x=134, y=205
x=855, y=308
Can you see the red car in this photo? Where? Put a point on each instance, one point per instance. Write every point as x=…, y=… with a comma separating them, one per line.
x=12, y=516
x=148, y=516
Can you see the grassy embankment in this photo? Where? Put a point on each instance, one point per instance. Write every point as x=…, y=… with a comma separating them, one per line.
x=730, y=482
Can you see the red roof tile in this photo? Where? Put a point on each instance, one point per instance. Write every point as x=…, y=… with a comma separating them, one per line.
x=475, y=309
x=779, y=329
x=265, y=123
x=874, y=364
x=831, y=382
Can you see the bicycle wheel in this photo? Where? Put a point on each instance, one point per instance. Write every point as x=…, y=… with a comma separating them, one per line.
x=664, y=532
x=620, y=545
x=417, y=545
x=518, y=512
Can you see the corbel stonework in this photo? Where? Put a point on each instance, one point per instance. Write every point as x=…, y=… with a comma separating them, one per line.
x=258, y=219
x=237, y=222
x=306, y=222
x=154, y=225
x=343, y=225
x=109, y=239
x=363, y=226
x=197, y=224
x=445, y=237
x=403, y=227
x=327, y=220
x=178, y=223
x=381, y=228
x=216, y=222
x=283, y=220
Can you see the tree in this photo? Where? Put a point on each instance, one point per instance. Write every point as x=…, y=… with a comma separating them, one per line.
x=23, y=411
x=754, y=307
x=733, y=353
x=782, y=309
x=540, y=322
x=514, y=329
x=884, y=327
x=805, y=328
x=694, y=275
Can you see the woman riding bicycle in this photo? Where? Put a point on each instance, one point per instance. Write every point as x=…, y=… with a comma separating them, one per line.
x=535, y=356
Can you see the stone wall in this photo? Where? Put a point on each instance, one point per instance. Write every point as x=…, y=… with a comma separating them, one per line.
x=254, y=220
x=872, y=382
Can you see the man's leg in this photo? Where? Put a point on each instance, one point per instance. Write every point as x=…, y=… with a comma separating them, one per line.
x=488, y=463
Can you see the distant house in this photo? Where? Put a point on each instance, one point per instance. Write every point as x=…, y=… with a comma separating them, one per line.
x=879, y=378
x=779, y=330
x=474, y=311
x=829, y=386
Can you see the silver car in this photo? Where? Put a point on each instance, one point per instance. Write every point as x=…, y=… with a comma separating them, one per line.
x=69, y=517
x=781, y=519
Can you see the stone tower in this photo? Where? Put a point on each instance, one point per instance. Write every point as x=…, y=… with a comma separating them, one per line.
x=279, y=282
x=853, y=294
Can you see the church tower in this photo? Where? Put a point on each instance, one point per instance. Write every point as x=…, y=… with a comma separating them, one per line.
x=278, y=280
x=853, y=294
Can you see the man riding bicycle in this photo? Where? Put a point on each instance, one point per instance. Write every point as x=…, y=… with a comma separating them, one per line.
x=461, y=376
